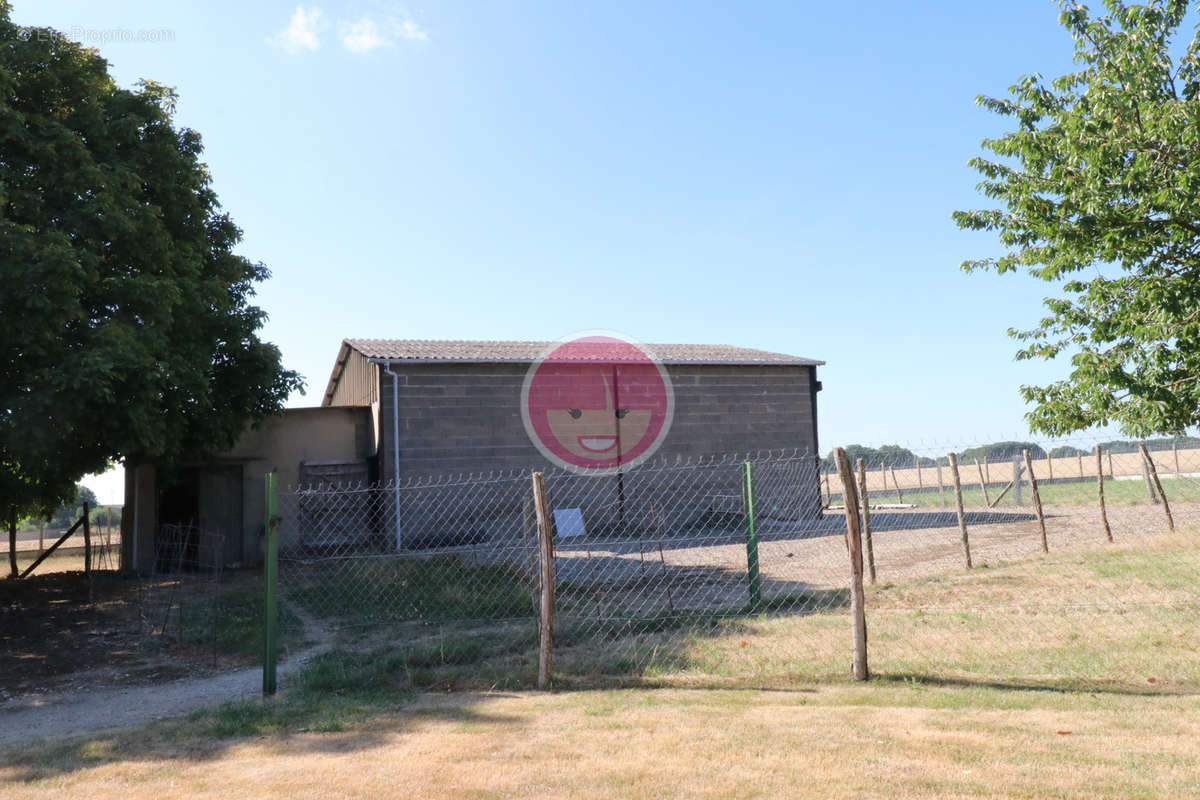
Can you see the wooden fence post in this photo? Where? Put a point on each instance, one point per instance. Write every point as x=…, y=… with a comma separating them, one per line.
x=1158, y=484
x=1175, y=451
x=866, y=518
x=941, y=491
x=896, y=483
x=854, y=545
x=1146, y=474
x=1079, y=456
x=1100, y=485
x=982, y=483
x=1111, y=474
x=546, y=556
x=920, y=482
x=12, y=541
x=1049, y=467
x=962, y=515
x=1018, y=500
x=87, y=549
x=1037, y=500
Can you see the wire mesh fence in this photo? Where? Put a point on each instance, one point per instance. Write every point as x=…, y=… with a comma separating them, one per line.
x=734, y=570
x=180, y=602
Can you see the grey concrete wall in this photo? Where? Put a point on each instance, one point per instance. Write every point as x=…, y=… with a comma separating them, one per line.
x=465, y=418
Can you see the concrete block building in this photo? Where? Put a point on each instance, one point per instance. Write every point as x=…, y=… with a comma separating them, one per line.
x=395, y=410
x=455, y=406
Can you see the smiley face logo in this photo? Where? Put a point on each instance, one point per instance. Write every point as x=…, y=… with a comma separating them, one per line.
x=597, y=404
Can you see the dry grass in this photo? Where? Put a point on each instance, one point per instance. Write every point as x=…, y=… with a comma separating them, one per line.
x=876, y=741
x=1073, y=675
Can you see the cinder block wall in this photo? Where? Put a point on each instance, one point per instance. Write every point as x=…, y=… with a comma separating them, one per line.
x=466, y=418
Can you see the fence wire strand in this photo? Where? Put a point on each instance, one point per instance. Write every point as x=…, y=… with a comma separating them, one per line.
x=661, y=573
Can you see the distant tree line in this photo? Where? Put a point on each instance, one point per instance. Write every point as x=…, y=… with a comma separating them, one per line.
x=895, y=456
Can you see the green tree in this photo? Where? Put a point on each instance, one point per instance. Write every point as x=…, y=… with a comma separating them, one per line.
x=70, y=510
x=1099, y=187
x=1001, y=451
x=127, y=329
x=888, y=455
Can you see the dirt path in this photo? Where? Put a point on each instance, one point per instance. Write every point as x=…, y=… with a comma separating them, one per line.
x=52, y=716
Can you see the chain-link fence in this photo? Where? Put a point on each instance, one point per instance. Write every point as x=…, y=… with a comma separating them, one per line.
x=734, y=571
x=1087, y=575
x=180, y=602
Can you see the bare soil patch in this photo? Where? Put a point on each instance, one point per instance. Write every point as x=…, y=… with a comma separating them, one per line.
x=54, y=641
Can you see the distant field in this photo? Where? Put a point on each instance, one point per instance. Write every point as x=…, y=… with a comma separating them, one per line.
x=1060, y=492
x=998, y=473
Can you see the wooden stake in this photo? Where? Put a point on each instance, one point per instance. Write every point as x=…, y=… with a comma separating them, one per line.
x=962, y=516
x=546, y=556
x=1111, y=474
x=1037, y=500
x=1100, y=485
x=1018, y=500
x=87, y=549
x=854, y=545
x=529, y=523
x=866, y=518
x=941, y=491
x=828, y=492
x=1175, y=451
x=1158, y=484
x=1080, y=457
x=1003, y=492
x=1146, y=475
x=12, y=541
x=1049, y=467
x=982, y=482
x=896, y=483
x=920, y=483
x=87, y=541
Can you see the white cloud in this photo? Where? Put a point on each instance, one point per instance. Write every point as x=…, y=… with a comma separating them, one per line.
x=407, y=29
x=301, y=31
x=363, y=36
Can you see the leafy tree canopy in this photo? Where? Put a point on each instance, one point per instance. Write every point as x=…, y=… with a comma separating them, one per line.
x=1099, y=188
x=128, y=332
x=888, y=455
x=1000, y=451
x=69, y=511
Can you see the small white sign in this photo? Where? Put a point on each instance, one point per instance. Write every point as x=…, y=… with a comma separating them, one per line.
x=569, y=521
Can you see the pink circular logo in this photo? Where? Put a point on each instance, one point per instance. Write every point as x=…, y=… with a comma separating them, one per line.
x=597, y=404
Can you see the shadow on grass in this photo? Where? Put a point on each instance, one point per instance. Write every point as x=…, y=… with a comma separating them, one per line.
x=341, y=723
x=1057, y=686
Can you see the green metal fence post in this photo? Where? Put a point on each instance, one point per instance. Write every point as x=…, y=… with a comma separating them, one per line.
x=270, y=578
x=751, y=535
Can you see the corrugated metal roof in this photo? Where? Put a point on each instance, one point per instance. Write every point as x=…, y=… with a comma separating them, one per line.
x=525, y=352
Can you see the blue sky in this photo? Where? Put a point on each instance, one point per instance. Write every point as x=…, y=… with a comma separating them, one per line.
x=773, y=175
